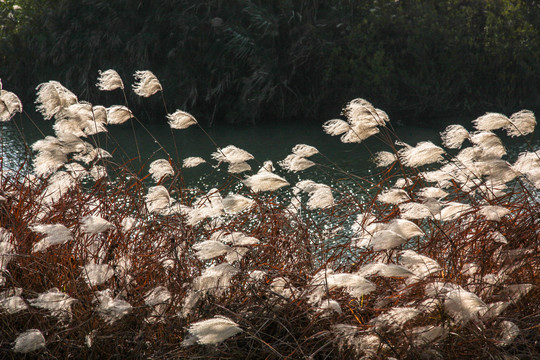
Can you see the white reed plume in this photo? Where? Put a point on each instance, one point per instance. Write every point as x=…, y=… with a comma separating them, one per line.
x=209, y=205
x=156, y=296
x=9, y=105
x=76, y=170
x=359, y=132
x=384, y=158
x=295, y=163
x=354, y=284
x=29, y=341
x=238, y=241
x=53, y=97
x=47, y=162
x=320, y=195
x=235, y=203
x=214, y=331
x=109, y=308
x=361, y=111
x=59, y=185
x=509, y=332
x=93, y=225
x=100, y=114
x=210, y=249
x=56, y=234
x=463, y=305
x=423, y=153
x=521, y=123
x=231, y=154
x=385, y=270
x=336, y=127
x=118, y=114
x=193, y=161
x=282, y=287
x=181, y=120
x=415, y=211
x=515, y=292
x=494, y=310
x=527, y=162
x=238, y=167
x=215, y=280
x=146, y=83
x=329, y=306
x=74, y=119
x=432, y=192
x=402, y=182
x=98, y=172
x=422, y=266
x=265, y=181
x=267, y=166
x=393, y=196
x=493, y=212
x=386, y=239
x=57, y=302
x=454, y=210
x=497, y=170
x=160, y=168
x=424, y=335
x=453, y=136
x=11, y=302
x=491, y=121
x=488, y=145
x=97, y=274
x=109, y=80
x=91, y=154
x=304, y=150
x=157, y=199
x=395, y=318
x=405, y=228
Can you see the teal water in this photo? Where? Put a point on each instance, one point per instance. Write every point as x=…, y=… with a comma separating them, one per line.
x=265, y=142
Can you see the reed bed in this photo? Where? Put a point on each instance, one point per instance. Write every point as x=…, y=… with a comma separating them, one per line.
x=437, y=256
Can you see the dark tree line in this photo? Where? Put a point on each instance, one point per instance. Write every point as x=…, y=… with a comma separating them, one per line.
x=239, y=61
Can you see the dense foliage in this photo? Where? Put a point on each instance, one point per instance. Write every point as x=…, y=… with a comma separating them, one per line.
x=248, y=61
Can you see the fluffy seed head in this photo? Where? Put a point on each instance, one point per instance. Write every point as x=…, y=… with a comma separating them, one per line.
x=336, y=127
x=94, y=225
x=146, y=83
x=193, y=161
x=393, y=196
x=109, y=80
x=424, y=153
x=231, y=154
x=491, y=121
x=160, y=168
x=265, y=181
x=295, y=163
x=9, y=105
x=304, y=150
x=56, y=234
x=214, y=331
x=53, y=97
x=97, y=274
x=384, y=158
x=521, y=123
x=118, y=114
x=453, y=136
x=28, y=341
x=181, y=120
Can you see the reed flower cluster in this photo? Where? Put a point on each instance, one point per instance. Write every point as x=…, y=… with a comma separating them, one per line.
x=435, y=256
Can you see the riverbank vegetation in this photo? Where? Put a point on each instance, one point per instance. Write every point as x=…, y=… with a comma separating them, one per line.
x=255, y=61
x=434, y=256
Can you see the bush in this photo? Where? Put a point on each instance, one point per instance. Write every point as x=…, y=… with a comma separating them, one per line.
x=436, y=258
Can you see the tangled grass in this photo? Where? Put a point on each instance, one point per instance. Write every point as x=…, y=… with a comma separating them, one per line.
x=439, y=258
